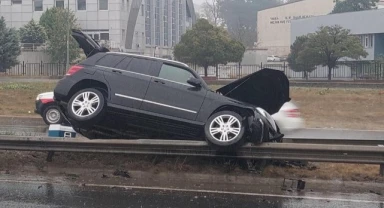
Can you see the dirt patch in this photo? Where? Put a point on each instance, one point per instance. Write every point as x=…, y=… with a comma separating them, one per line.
x=341, y=108
x=14, y=161
x=18, y=98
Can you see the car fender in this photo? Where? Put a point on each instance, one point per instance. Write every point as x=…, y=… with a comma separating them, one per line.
x=214, y=102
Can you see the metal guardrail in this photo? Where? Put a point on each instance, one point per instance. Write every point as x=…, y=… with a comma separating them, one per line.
x=340, y=141
x=272, y=151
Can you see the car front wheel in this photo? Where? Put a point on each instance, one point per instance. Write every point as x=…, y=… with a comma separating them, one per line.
x=86, y=107
x=225, y=130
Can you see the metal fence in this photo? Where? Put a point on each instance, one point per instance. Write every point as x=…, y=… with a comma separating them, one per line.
x=343, y=71
x=37, y=69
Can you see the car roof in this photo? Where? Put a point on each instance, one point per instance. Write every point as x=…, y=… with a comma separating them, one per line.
x=150, y=57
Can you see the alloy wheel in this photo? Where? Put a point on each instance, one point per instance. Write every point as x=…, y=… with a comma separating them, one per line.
x=85, y=104
x=225, y=128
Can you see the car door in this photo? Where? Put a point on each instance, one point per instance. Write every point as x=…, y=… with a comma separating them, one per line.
x=169, y=93
x=129, y=79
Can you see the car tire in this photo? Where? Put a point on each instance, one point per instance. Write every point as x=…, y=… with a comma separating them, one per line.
x=225, y=130
x=52, y=115
x=86, y=107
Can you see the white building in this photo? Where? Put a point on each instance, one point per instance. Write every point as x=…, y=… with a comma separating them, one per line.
x=274, y=24
x=150, y=27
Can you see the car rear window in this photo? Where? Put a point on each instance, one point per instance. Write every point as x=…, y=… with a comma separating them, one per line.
x=110, y=60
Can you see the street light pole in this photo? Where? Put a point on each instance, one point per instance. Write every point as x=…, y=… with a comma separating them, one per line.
x=68, y=28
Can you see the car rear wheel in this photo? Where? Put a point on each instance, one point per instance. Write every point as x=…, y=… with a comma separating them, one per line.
x=86, y=107
x=225, y=130
x=52, y=115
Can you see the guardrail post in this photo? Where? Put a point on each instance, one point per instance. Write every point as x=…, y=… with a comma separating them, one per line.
x=381, y=169
x=50, y=156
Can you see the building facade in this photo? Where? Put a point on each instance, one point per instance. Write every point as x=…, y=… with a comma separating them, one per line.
x=274, y=24
x=364, y=24
x=150, y=27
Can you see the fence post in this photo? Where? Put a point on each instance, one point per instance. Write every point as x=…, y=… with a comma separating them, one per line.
x=41, y=67
x=217, y=71
x=261, y=65
x=239, y=70
x=23, y=68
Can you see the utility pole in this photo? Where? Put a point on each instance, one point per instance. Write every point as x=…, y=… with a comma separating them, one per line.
x=68, y=28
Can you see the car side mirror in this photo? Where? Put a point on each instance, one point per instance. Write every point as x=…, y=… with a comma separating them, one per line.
x=194, y=82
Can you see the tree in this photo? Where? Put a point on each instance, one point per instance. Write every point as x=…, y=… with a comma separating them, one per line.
x=54, y=21
x=9, y=46
x=330, y=43
x=32, y=33
x=207, y=45
x=300, y=64
x=240, y=17
x=354, y=5
x=211, y=10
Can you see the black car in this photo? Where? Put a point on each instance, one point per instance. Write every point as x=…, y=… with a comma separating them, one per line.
x=121, y=95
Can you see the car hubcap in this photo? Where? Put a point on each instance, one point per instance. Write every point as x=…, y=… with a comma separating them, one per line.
x=85, y=104
x=225, y=128
x=53, y=115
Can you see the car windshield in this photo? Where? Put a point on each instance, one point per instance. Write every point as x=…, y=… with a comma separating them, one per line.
x=191, y=103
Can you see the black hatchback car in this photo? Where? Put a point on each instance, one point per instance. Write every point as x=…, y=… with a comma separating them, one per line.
x=121, y=95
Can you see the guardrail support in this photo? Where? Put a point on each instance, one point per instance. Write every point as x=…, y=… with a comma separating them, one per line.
x=381, y=169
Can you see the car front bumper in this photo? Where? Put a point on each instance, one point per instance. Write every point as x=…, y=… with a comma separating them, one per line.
x=39, y=107
x=262, y=130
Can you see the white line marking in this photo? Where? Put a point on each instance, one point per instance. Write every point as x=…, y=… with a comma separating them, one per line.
x=206, y=191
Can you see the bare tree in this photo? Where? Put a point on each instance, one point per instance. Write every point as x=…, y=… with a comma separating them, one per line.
x=211, y=11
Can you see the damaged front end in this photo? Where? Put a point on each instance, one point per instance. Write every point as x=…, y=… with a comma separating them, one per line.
x=263, y=128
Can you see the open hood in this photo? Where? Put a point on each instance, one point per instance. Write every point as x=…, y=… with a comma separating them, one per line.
x=267, y=88
x=87, y=43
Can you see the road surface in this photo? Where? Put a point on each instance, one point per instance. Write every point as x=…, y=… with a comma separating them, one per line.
x=40, y=195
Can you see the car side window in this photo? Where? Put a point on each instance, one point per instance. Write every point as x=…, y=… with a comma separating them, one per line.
x=110, y=60
x=123, y=65
x=141, y=66
x=175, y=74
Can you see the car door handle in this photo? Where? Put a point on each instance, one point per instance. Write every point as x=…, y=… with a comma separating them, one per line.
x=160, y=82
x=116, y=71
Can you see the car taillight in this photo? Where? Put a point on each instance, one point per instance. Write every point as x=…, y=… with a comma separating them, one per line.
x=293, y=113
x=74, y=69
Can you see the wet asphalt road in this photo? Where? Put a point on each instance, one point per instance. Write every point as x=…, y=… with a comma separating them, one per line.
x=39, y=195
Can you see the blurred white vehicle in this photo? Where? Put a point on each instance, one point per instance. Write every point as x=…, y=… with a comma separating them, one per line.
x=273, y=58
x=288, y=118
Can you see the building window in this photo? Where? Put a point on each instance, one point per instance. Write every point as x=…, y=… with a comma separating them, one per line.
x=59, y=3
x=82, y=4
x=180, y=18
x=173, y=22
x=157, y=23
x=165, y=19
x=38, y=5
x=148, y=32
x=367, y=41
x=104, y=36
x=103, y=4
x=17, y=2
x=122, y=37
x=142, y=10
